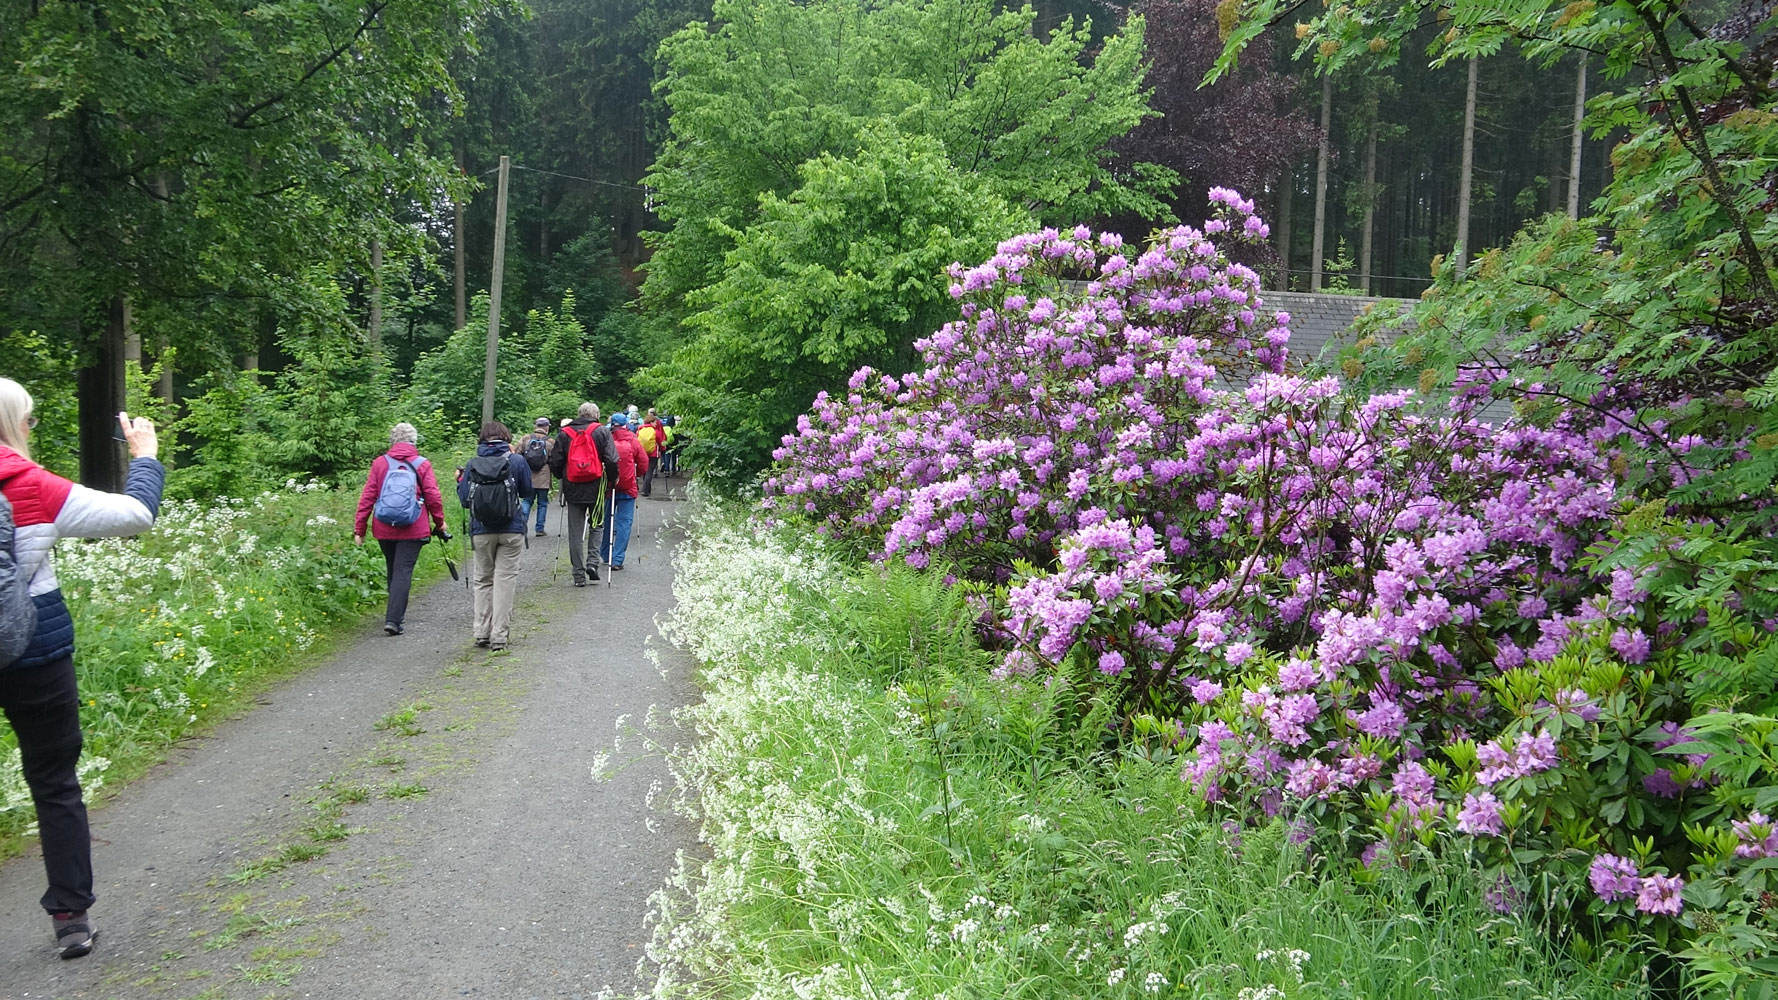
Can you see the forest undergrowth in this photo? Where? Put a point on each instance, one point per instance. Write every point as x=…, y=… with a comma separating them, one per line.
x=883, y=819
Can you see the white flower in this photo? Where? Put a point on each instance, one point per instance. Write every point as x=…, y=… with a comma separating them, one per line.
x=1117, y=976
x=1155, y=982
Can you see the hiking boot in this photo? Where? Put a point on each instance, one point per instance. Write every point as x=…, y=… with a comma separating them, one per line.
x=497, y=647
x=593, y=575
x=541, y=532
x=617, y=567
x=74, y=933
x=482, y=642
x=391, y=628
x=580, y=583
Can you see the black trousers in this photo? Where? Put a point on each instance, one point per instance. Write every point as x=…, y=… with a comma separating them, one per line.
x=44, y=709
x=400, y=557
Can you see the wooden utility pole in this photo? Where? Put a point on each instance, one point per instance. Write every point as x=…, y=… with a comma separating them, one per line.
x=1464, y=179
x=457, y=238
x=376, y=293
x=1319, y=244
x=1580, y=113
x=494, y=292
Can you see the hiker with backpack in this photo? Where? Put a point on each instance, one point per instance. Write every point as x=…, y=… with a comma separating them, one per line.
x=584, y=458
x=37, y=684
x=536, y=451
x=631, y=466
x=493, y=486
x=400, y=498
x=653, y=436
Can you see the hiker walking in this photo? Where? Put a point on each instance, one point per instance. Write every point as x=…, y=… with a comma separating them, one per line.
x=37, y=685
x=631, y=465
x=536, y=449
x=400, y=499
x=492, y=486
x=653, y=437
x=584, y=457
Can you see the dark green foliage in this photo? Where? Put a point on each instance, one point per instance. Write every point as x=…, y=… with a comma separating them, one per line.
x=824, y=162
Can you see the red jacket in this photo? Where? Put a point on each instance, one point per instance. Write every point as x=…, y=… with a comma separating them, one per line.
x=430, y=498
x=632, y=461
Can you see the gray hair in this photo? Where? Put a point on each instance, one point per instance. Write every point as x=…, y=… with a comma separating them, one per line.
x=15, y=409
x=403, y=433
x=588, y=411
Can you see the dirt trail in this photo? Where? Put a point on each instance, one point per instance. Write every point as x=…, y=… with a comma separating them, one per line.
x=413, y=818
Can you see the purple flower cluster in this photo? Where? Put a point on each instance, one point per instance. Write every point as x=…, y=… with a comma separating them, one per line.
x=1614, y=879
x=1327, y=590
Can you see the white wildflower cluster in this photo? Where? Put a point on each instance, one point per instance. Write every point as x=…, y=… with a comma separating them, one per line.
x=1294, y=958
x=1266, y=992
x=744, y=592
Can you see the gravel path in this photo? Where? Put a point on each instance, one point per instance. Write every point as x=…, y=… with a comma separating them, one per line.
x=413, y=818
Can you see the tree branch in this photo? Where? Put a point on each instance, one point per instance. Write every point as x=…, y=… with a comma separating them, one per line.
x=376, y=10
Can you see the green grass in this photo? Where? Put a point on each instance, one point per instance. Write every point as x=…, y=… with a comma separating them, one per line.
x=183, y=627
x=884, y=820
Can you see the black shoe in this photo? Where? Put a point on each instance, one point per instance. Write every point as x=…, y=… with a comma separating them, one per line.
x=483, y=643
x=581, y=583
x=391, y=628
x=593, y=575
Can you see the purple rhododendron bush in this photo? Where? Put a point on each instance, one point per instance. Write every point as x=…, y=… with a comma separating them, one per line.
x=1391, y=624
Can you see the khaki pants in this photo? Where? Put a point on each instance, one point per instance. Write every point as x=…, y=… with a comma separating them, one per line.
x=496, y=583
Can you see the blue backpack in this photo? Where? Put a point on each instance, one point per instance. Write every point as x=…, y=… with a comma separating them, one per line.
x=398, y=502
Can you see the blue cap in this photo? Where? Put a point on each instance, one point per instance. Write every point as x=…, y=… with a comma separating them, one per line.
x=620, y=419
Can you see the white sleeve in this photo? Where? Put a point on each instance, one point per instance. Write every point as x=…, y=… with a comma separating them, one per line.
x=90, y=513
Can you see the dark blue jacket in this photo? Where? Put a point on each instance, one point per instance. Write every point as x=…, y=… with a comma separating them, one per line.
x=521, y=472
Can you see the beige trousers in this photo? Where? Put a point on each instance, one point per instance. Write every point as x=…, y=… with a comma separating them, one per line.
x=496, y=583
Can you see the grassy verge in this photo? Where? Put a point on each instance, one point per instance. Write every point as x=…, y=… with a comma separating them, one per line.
x=885, y=821
x=180, y=628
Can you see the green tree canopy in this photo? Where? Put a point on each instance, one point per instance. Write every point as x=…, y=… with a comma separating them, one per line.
x=825, y=160
x=210, y=163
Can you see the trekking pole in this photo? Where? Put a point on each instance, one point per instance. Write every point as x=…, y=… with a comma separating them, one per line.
x=611, y=534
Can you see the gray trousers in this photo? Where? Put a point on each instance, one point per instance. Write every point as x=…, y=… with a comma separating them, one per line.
x=496, y=583
x=581, y=518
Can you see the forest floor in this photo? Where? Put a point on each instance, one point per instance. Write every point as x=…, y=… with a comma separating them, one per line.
x=412, y=818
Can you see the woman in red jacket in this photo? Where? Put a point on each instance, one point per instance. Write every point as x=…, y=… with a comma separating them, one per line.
x=396, y=507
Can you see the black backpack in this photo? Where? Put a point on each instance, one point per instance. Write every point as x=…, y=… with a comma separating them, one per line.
x=18, y=616
x=536, y=454
x=493, y=494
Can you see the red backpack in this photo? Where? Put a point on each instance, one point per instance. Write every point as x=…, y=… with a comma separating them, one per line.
x=583, y=456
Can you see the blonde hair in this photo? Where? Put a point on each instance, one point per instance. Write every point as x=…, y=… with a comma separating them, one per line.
x=15, y=409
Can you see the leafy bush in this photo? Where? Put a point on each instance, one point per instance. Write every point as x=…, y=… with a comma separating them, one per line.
x=883, y=820
x=1379, y=620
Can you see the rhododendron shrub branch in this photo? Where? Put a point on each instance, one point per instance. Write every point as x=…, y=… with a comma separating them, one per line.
x=1376, y=616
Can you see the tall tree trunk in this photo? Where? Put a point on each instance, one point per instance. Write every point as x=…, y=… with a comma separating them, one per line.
x=543, y=226
x=1286, y=198
x=375, y=333
x=1370, y=202
x=100, y=390
x=166, y=385
x=1318, y=244
x=457, y=239
x=132, y=340
x=1466, y=178
x=1580, y=113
